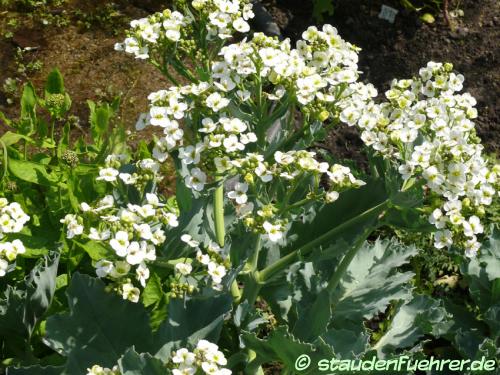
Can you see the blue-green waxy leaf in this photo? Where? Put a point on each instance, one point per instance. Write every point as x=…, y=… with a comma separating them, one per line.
x=23, y=306
x=372, y=281
x=194, y=319
x=133, y=363
x=99, y=327
x=282, y=347
x=36, y=370
x=423, y=315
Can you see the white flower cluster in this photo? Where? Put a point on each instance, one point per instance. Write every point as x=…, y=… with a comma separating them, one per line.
x=151, y=35
x=146, y=170
x=317, y=70
x=12, y=220
x=429, y=129
x=99, y=370
x=130, y=231
x=213, y=259
x=147, y=34
x=225, y=16
x=206, y=358
x=289, y=166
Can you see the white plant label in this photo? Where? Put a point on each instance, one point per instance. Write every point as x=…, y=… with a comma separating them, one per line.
x=388, y=13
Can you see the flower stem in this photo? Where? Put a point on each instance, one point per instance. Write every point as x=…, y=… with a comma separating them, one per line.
x=267, y=273
x=220, y=230
x=219, y=214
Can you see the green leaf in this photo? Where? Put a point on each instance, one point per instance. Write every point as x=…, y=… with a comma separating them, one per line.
x=98, y=328
x=423, y=315
x=36, y=370
x=371, y=282
x=99, y=119
x=55, y=82
x=347, y=344
x=153, y=292
x=194, y=319
x=133, y=363
x=320, y=7
x=483, y=272
x=28, y=102
x=96, y=250
x=350, y=205
x=30, y=172
x=280, y=346
x=10, y=138
x=41, y=286
x=189, y=222
x=22, y=306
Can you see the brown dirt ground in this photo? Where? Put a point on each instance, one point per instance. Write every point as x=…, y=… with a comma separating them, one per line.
x=87, y=60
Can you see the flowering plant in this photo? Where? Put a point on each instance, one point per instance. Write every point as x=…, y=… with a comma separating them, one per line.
x=268, y=243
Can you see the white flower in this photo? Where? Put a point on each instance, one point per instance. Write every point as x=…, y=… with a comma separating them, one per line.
x=241, y=25
x=73, y=227
x=103, y=268
x=184, y=268
x=216, y=102
x=120, y=269
x=186, y=238
x=4, y=265
x=171, y=219
x=184, y=357
x=196, y=180
x=239, y=193
x=202, y=258
x=142, y=274
x=143, y=230
x=216, y=356
x=274, y=231
x=120, y=243
x=190, y=154
x=231, y=144
x=472, y=226
x=108, y=174
x=136, y=252
x=127, y=178
x=443, y=239
x=331, y=196
x=130, y=292
x=438, y=219
x=217, y=272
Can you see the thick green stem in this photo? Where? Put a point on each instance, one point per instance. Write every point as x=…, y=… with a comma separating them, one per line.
x=253, y=261
x=235, y=292
x=268, y=272
x=220, y=230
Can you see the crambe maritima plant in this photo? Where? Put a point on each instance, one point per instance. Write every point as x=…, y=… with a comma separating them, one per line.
x=267, y=250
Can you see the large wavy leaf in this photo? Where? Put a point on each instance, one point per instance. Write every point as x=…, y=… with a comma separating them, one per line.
x=423, y=315
x=99, y=327
x=371, y=282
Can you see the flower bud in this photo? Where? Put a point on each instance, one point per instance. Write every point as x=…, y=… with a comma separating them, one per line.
x=323, y=116
x=249, y=179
